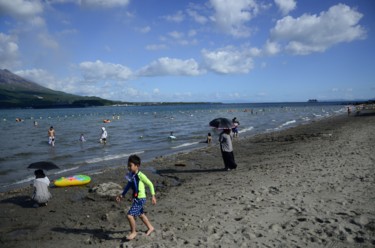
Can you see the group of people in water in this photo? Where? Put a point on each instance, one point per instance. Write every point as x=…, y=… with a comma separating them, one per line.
x=51, y=136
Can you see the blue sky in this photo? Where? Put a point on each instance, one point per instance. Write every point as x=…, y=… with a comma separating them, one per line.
x=213, y=50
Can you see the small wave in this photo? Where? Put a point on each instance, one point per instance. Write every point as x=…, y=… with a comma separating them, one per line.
x=23, y=154
x=185, y=144
x=287, y=123
x=340, y=111
x=246, y=129
x=21, y=182
x=69, y=169
x=305, y=118
x=110, y=157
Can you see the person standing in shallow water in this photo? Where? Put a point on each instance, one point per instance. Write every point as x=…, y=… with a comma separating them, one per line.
x=226, y=147
x=236, y=123
x=51, y=136
x=103, y=136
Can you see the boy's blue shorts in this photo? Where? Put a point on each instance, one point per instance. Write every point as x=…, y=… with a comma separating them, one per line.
x=137, y=207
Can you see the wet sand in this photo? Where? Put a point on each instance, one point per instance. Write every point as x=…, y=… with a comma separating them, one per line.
x=308, y=186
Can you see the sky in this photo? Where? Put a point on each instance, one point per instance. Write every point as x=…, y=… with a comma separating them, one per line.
x=189, y=50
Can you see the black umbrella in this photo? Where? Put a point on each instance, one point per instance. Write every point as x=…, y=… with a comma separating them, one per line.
x=221, y=123
x=43, y=165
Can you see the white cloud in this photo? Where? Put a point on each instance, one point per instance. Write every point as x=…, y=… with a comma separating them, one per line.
x=231, y=16
x=144, y=30
x=271, y=48
x=316, y=33
x=168, y=66
x=94, y=3
x=67, y=32
x=234, y=95
x=39, y=76
x=197, y=17
x=132, y=92
x=8, y=51
x=192, y=32
x=178, y=38
x=37, y=21
x=98, y=70
x=286, y=6
x=177, y=17
x=48, y=41
x=103, y=3
x=72, y=85
x=156, y=91
x=228, y=60
x=21, y=8
x=176, y=35
x=156, y=47
x=255, y=52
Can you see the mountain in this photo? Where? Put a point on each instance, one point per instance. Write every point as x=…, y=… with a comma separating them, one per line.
x=17, y=92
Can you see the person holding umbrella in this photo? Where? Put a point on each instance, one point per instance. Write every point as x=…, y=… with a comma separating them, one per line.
x=226, y=147
x=225, y=140
x=41, y=182
x=41, y=193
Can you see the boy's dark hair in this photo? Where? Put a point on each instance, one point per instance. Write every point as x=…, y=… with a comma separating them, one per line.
x=39, y=174
x=134, y=159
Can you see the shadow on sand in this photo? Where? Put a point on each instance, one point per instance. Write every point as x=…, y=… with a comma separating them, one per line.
x=368, y=113
x=22, y=201
x=97, y=233
x=173, y=171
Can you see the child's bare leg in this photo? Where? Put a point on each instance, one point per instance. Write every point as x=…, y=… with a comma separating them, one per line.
x=133, y=232
x=147, y=223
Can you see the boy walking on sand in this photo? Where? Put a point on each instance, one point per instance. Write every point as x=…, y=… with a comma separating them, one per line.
x=137, y=181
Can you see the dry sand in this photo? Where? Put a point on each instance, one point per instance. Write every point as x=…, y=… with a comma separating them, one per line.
x=308, y=186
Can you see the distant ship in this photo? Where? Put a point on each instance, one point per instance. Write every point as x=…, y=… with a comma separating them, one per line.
x=312, y=100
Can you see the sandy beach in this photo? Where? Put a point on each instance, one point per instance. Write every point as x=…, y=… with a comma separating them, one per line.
x=307, y=186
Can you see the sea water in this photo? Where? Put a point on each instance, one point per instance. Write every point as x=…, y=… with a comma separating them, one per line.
x=142, y=130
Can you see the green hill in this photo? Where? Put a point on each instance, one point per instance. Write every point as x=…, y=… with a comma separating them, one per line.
x=17, y=92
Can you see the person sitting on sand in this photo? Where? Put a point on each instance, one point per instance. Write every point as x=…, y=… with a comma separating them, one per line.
x=137, y=181
x=41, y=193
x=104, y=135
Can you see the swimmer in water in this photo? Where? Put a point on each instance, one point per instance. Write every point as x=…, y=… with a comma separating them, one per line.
x=172, y=136
x=51, y=136
x=82, y=138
